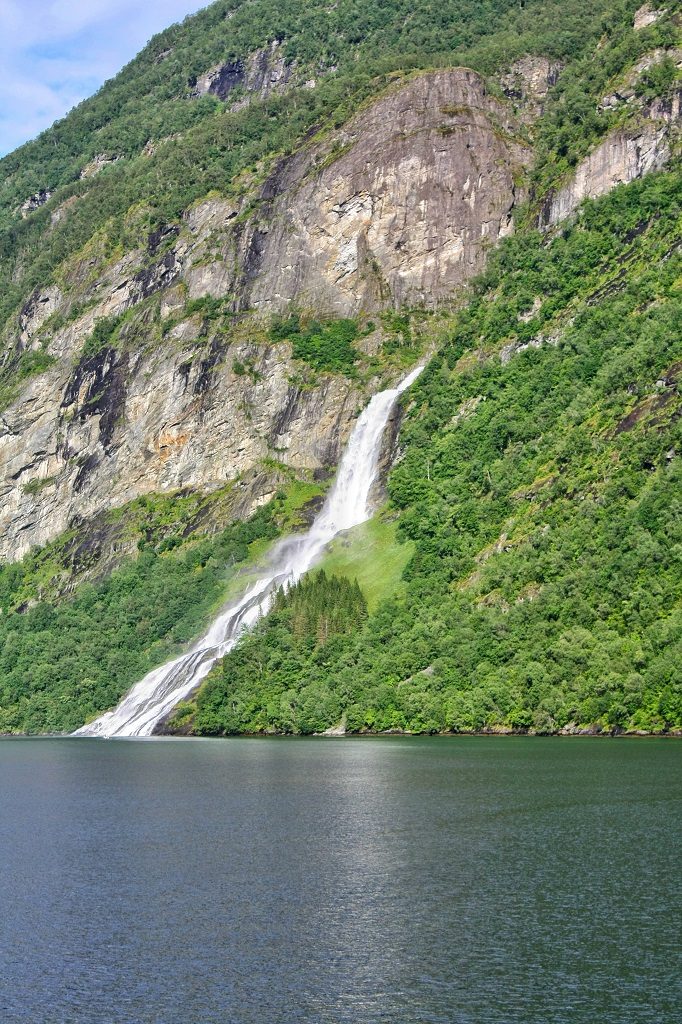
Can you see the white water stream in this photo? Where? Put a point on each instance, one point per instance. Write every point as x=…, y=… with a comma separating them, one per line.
x=346, y=506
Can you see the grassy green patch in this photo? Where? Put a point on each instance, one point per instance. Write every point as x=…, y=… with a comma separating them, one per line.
x=372, y=555
x=290, y=515
x=293, y=502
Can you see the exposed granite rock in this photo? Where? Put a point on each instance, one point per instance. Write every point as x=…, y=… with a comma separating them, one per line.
x=399, y=206
x=35, y=201
x=262, y=73
x=98, y=163
x=573, y=729
x=267, y=71
x=507, y=352
x=626, y=91
x=527, y=83
x=36, y=310
x=123, y=424
x=335, y=730
x=423, y=184
x=220, y=80
x=624, y=155
x=645, y=16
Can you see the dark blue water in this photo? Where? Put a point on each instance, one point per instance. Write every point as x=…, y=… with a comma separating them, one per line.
x=399, y=880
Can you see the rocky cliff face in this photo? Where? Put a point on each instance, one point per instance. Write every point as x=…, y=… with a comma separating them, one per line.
x=645, y=16
x=120, y=425
x=528, y=82
x=400, y=206
x=422, y=186
x=643, y=145
x=262, y=73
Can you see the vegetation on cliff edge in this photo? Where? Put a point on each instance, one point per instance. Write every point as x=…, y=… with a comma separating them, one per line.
x=541, y=488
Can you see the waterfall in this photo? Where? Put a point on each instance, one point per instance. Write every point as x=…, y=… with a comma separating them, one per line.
x=346, y=506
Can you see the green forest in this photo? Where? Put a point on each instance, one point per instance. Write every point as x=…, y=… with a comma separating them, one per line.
x=543, y=496
x=61, y=663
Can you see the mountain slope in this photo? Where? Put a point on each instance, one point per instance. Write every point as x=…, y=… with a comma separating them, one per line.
x=268, y=215
x=540, y=484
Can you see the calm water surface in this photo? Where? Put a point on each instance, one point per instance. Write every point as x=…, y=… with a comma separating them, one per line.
x=396, y=880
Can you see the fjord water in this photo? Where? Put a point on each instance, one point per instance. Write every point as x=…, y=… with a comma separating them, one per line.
x=357, y=881
x=347, y=505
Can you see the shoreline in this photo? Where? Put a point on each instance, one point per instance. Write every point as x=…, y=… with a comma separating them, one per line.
x=589, y=733
x=586, y=733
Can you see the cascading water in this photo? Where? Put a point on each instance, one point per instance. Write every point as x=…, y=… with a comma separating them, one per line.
x=346, y=506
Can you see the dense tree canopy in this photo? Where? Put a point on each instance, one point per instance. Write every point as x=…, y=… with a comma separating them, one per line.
x=542, y=491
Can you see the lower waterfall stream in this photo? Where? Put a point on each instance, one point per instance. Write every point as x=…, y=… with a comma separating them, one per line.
x=347, y=505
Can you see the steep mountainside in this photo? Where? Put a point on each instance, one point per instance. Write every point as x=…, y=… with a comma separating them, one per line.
x=540, y=491
x=143, y=397
x=210, y=266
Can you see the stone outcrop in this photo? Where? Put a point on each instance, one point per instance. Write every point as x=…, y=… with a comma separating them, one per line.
x=626, y=91
x=624, y=155
x=97, y=164
x=120, y=424
x=424, y=184
x=262, y=73
x=399, y=206
x=645, y=16
x=528, y=82
x=34, y=202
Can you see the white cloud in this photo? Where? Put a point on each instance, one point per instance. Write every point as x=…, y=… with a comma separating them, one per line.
x=54, y=54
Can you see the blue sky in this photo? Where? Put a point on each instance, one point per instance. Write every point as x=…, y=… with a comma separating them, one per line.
x=54, y=53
